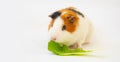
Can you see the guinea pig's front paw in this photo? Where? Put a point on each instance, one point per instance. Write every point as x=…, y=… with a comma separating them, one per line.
x=74, y=46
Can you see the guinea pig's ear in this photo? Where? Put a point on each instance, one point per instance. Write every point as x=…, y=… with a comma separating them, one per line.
x=72, y=19
x=55, y=15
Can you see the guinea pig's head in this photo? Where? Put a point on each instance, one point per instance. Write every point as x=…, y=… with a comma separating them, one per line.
x=64, y=24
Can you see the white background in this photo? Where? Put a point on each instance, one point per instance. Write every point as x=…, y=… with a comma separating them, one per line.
x=24, y=35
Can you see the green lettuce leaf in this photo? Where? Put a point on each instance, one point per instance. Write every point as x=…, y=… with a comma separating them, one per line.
x=66, y=51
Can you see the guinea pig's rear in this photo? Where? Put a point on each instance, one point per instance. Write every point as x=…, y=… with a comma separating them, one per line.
x=70, y=27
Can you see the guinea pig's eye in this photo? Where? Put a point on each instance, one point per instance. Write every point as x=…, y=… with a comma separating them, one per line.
x=63, y=27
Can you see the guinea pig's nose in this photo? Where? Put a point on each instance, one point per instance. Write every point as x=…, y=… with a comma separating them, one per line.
x=53, y=38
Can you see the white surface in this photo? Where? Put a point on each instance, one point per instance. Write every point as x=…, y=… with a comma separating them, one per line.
x=24, y=36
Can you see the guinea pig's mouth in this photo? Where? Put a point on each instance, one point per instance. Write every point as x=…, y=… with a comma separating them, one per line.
x=53, y=38
x=64, y=42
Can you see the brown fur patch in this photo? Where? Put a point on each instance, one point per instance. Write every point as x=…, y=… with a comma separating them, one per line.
x=70, y=19
x=51, y=24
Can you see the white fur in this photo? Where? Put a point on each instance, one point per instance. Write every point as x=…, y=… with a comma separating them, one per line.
x=81, y=35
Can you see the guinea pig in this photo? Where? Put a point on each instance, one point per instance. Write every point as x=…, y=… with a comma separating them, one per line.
x=70, y=27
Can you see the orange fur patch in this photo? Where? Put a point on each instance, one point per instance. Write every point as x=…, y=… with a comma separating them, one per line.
x=67, y=17
x=51, y=24
x=71, y=27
